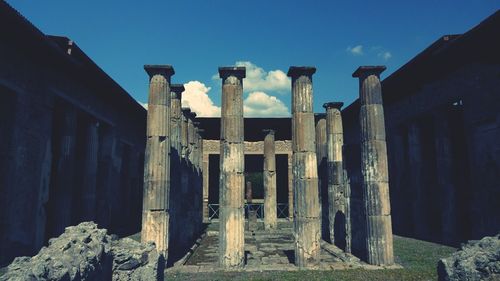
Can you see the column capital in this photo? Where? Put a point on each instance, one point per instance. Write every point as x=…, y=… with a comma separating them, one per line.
x=296, y=71
x=237, y=71
x=161, y=69
x=365, y=71
x=269, y=131
x=334, y=104
x=177, y=89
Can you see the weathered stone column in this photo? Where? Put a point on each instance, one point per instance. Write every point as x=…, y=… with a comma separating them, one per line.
x=206, y=181
x=89, y=180
x=64, y=171
x=290, y=185
x=155, y=217
x=336, y=188
x=447, y=188
x=191, y=138
x=270, y=208
x=305, y=171
x=322, y=174
x=374, y=167
x=186, y=111
x=232, y=167
x=175, y=117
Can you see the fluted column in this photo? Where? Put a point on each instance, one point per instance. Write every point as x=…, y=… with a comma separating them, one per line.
x=155, y=218
x=89, y=180
x=322, y=174
x=337, y=194
x=186, y=111
x=290, y=185
x=175, y=117
x=305, y=171
x=206, y=179
x=270, y=208
x=232, y=167
x=374, y=167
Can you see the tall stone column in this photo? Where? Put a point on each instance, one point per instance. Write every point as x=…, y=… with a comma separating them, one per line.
x=322, y=174
x=290, y=185
x=191, y=138
x=155, y=217
x=63, y=194
x=447, y=188
x=89, y=179
x=175, y=117
x=232, y=167
x=374, y=167
x=186, y=111
x=206, y=180
x=336, y=183
x=270, y=208
x=305, y=172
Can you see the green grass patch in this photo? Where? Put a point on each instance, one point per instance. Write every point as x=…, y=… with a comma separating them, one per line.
x=419, y=259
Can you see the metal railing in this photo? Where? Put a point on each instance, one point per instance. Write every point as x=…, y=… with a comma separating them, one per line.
x=282, y=210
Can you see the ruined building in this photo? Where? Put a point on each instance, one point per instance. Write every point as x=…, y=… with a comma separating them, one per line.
x=416, y=155
x=71, y=141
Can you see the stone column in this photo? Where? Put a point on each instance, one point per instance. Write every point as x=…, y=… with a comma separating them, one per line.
x=186, y=111
x=155, y=217
x=63, y=195
x=322, y=176
x=305, y=171
x=336, y=190
x=270, y=208
x=90, y=172
x=175, y=117
x=232, y=167
x=374, y=167
x=191, y=138
x=206, y=181
x=290, y=185
x=447, y=188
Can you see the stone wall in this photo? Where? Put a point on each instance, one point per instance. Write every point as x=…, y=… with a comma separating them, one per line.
x=72, y=141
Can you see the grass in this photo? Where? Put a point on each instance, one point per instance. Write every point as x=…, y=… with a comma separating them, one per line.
x=419, y=259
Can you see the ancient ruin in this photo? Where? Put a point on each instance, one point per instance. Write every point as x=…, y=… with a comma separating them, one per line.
x=416, y=154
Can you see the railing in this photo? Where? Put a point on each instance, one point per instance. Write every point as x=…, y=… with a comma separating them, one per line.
x=282, y=210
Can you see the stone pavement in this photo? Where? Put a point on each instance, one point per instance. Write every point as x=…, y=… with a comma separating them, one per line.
x=264, y=251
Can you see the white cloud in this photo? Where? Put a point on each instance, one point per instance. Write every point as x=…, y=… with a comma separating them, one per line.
x=356, y=51
x=257, y=79
x=385, y=55
x=196, y=97
x=260, y=104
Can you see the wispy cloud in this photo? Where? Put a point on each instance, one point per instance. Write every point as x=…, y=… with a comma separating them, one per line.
x=385, y=55
x=356, y=50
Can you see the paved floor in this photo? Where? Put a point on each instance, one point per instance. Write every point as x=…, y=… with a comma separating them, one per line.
x=264, y=250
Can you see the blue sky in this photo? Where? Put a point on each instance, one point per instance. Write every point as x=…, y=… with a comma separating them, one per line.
x=196, y=37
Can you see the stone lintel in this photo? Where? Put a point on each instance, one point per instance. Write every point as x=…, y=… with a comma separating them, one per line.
x=296, y=71
x=334, y=104
x=365, y=71
x=237, y=71
x=162, y=69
